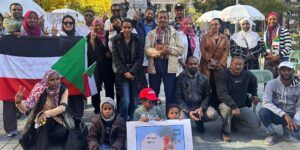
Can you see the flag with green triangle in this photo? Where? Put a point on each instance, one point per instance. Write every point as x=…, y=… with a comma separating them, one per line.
x=72, y=65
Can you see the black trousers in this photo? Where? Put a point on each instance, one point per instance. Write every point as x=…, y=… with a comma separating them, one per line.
x=9, y=116
x=76, y=105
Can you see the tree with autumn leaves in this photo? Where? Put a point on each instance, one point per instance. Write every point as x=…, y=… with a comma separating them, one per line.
x=99, y=6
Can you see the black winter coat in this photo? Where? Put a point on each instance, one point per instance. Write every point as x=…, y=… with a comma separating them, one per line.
x=120, y=59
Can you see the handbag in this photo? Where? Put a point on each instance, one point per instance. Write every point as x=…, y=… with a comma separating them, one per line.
x=68, y=120
x=209, y=66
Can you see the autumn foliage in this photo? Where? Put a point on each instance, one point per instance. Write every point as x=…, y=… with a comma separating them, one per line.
x=99, y=6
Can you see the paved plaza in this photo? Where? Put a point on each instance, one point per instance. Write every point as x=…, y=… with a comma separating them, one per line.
x=246, y=139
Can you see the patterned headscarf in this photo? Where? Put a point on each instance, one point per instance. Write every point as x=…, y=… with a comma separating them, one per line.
x=189, y=32
x=40, y=87
x=100, y=34
x=31, y=30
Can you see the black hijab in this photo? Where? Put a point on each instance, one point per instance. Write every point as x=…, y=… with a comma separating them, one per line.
x=72, y=32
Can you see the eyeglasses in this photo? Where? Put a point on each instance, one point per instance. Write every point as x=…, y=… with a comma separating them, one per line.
x=115, y=10
x=68, y=23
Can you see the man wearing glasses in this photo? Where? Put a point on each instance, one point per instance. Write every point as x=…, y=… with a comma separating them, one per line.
x=115, y=11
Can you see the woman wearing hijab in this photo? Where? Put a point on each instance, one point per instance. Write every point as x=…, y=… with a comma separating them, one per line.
x=68, y=26
x=47, y=101
x=30, y=26
x=76, y=103
x=247, y=44
x=278, y=43
x=190, y=41
x=98, y=52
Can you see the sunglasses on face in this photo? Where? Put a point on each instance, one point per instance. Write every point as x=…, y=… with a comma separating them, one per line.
x=88, y=15
x=152, y=102
x=68, y=23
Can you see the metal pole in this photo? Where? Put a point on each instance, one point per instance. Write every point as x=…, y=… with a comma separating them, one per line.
x=236, y=24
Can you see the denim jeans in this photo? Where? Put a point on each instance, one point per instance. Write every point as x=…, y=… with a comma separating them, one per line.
x=104, y=147
x=128, y=99
x=267, y=117
x=246, y=119
x=169, y=79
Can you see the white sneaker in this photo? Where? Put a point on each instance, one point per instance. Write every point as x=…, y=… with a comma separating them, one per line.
x=12, y=134
x=270, y=139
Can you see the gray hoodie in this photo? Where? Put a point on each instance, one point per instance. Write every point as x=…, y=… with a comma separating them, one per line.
x=280, y=99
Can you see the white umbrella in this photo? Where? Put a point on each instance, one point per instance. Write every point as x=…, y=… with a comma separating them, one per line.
x=208, y=16
x=239, y=12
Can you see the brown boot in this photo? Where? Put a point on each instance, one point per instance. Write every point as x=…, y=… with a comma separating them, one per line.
x=226, y=137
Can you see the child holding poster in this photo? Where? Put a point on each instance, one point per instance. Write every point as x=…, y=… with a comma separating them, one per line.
x=174, y=111
x=148, y=110
x=108, y=130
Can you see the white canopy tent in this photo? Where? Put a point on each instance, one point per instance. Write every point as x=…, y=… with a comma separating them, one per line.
x=55, y=18
x=26, y=4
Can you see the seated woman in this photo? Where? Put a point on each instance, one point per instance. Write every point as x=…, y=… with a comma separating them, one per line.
x=108, y=130
x=47, y=101
x=30, y=25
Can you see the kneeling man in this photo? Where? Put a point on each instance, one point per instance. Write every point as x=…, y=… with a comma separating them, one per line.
x=192, y=95
x=233, y=90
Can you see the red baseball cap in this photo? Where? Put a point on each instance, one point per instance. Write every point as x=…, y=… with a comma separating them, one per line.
x=148, y=93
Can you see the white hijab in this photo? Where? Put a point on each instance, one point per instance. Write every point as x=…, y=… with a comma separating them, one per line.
x=241, y=37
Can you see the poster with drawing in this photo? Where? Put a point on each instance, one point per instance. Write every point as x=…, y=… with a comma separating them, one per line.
x=159, y=135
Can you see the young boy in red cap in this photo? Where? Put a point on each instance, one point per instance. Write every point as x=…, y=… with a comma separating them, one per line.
x=148, y=110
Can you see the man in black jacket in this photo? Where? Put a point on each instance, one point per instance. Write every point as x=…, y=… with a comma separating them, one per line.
x=232, y=90
x=192, y=95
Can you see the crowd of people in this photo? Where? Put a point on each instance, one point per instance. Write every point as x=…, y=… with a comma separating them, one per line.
x=135, y=55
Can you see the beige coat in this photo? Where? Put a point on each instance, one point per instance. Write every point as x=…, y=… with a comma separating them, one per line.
x=176, y=46
x=221, y=53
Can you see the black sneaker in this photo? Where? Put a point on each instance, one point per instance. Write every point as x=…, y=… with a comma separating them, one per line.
x=200, y=126
x=234, y=128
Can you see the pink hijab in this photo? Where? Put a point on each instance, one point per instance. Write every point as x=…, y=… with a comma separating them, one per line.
x=189, y=32
x=40, y=87
x=100, y=34
x=31, y=30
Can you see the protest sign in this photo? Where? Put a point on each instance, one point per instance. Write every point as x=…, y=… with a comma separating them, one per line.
x=159, y=135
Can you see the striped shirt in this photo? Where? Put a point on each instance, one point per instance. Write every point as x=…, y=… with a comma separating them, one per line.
x=285, y=42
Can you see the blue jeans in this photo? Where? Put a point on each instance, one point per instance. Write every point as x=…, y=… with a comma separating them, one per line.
x=128, y=99
x=267, y=117
x=169, y=79
x=104, y=147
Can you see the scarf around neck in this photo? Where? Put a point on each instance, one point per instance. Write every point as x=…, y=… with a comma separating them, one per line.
x=190, y=33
